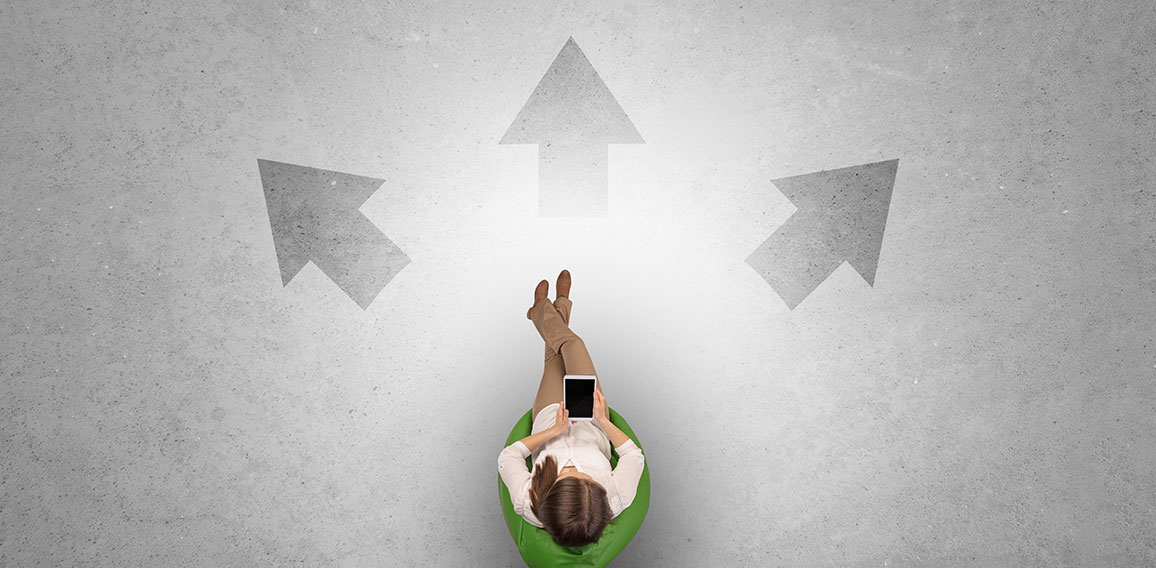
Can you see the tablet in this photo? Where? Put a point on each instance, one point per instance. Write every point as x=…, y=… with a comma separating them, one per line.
x=578, y=396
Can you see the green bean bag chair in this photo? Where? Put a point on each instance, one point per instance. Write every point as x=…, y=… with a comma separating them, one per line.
x=538, y=549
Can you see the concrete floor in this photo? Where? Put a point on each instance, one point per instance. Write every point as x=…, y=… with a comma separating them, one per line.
x=165, y=401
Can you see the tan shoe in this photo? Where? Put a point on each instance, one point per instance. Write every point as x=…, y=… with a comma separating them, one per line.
x=564, y=284
x=540, y=294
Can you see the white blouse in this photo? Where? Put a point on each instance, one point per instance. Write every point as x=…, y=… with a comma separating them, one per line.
x=584, y=446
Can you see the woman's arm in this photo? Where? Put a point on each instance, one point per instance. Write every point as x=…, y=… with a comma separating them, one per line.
x=561, y=426
x=627, y=474
x=617, y=437
x=602, y=417
x=512, y=469
x=534, y=440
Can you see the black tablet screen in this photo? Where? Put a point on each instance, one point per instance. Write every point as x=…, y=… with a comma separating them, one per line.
x=580, y=398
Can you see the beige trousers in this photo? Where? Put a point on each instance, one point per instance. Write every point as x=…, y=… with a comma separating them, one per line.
x=565, y=352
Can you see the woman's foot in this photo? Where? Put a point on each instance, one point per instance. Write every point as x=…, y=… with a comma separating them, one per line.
x=564, y=284
x=540, y=294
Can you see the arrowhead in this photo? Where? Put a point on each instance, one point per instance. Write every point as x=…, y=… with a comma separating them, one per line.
x=846, y=208
x=314, y=216
x=841, y=217
x=570, y=105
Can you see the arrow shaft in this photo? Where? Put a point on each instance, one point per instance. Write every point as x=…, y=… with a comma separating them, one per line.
x=795, y=259
x=358, y=257
x=572, y=180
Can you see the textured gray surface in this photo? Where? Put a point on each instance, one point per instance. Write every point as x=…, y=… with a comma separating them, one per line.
x=164, y=401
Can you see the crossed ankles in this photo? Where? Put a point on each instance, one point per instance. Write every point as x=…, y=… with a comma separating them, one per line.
x=542, y=291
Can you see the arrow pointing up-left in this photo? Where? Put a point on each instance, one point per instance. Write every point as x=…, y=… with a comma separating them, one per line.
x=314, y=215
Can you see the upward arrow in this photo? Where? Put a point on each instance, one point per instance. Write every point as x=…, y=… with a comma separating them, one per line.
x=572, y=117
x=314, y=215
x=841, y=217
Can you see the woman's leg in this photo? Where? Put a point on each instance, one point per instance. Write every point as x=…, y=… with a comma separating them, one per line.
x=550, y=388
x=565, y=352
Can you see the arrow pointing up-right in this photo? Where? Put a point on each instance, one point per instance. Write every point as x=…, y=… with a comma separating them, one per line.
x=841, y=217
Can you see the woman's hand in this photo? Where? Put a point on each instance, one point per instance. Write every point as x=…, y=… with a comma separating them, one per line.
x=561, y=420
x=601, y=413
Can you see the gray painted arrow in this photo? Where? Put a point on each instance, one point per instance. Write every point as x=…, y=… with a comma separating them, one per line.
x=841, y=217
x=572, y=117
x=314, y=215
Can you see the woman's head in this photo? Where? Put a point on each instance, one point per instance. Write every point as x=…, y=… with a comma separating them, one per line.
x=574, y=510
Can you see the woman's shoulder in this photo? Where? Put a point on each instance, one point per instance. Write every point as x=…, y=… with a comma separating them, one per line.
x=528, y=515
x=615, y=504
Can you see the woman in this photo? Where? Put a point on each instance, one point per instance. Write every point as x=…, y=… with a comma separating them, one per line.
x=573, y=493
